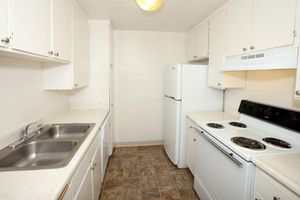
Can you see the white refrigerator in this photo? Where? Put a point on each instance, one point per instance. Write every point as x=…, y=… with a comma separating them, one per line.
x=185, y=90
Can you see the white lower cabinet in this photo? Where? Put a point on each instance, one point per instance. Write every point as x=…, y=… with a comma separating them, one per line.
x=87, y=180
x=192, y=137
x=105, y=143
x=267, y=188
x=86, y=190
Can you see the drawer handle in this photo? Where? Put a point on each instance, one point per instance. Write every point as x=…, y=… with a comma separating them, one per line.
x=276, y=198
x=63, y=194
x=298, y=92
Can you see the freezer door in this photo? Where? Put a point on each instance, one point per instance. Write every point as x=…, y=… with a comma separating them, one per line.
x=172, y=128
x=172, y=81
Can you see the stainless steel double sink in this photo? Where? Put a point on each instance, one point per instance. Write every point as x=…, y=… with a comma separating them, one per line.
x=52, y=147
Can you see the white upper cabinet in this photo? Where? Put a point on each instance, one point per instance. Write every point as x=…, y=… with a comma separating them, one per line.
x=81, y=48
x=197, y=43
x=238, y=27
x=4, y=39
x=217, y=39
x=253, y=25
x=31, y=26
x=273, y=23
x=62, y=29
x=76, y=74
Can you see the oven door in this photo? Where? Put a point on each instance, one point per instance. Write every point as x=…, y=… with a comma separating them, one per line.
x=220, y=171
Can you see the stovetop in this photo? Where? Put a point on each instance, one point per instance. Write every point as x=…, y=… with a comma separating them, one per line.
x=261, y=135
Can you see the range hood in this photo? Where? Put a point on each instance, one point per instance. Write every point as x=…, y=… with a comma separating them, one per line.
x=279, y=58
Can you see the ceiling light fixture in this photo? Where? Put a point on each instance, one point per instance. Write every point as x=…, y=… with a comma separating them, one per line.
x=150, y=5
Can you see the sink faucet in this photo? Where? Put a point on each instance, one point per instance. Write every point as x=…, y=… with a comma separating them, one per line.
x=24, y=134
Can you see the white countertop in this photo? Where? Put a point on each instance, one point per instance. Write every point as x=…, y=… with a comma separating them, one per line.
x=210, y=116
x=48, y=184
x=284, y=168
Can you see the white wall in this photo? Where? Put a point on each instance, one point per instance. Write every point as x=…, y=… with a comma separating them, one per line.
x=22, y=98
x=138, y=87
x=96, y=95
x=275, y=87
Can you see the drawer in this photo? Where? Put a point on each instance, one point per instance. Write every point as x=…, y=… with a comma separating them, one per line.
x=270, y=189
x=85, y=164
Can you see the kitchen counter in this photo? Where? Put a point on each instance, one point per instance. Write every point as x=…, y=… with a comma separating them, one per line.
x=210, y=116
x=284, y=168
x=48, y=184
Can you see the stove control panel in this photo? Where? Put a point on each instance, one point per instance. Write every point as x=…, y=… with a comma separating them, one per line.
x=286, y=118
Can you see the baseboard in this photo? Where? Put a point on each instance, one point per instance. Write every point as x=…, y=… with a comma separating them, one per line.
x=138, y=143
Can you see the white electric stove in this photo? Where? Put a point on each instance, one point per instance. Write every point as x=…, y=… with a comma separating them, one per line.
x=225, y=149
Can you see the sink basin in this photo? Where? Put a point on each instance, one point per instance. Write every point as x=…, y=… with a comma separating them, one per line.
x=53, y=147
x=38, y=154
x=65, y=132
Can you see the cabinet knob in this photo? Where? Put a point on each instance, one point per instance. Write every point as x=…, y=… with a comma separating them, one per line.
x=76, y=85
x=194, y=140
x=245, y=49
x=219, y=84
x=298, y=92
x=252, y=47
x=276, y=198
x=5, y=40
x=56, y=54
x=50, y=52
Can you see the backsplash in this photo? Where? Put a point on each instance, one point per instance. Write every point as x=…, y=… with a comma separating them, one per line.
x=23, y=99
x=275, y=87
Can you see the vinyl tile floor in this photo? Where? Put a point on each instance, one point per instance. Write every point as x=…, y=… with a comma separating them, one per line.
x=145, y=173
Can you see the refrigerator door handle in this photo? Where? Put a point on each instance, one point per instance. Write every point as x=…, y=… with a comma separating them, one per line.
x=172, y=98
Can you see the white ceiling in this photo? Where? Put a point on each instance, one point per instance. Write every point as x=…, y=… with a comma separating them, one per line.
x=175, y=15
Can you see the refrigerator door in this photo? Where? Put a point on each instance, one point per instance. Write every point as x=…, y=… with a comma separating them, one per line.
x=172, y=128
x=173, y=81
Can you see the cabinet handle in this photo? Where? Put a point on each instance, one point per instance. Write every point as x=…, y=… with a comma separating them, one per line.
x=252, y=47
x=219, y=84
x=56, y=54
x=195, y=56
x=63, y=194
x=245, y=49
x=50, y=52
x=5, y=40
x=276, y=198
x=194, y=140
x=298, y=92
x=76, y=85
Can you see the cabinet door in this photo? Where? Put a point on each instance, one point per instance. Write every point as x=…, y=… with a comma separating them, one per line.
x=191, y=51
x=191, y=149
x=202, y=41
x=62, y=29
x=238, y=27
x=31, y=26
x=273, y=23
x=96, y=174
x=269, y=188
x=3, y=23
x=80, y=48
x=86, y=189
x=216, y=48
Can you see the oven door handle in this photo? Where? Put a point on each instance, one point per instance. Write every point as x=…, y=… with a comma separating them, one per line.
x=229, y=155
